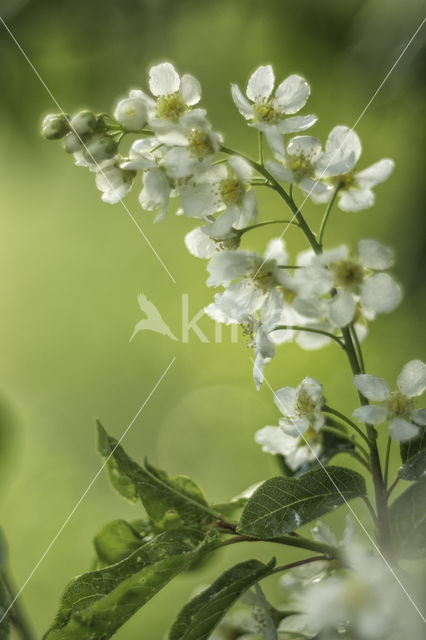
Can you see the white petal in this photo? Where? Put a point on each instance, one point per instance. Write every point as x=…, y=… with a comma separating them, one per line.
x=344, y=141
x=156, y=190
x=276, y=251
x=308, y=146
x=163, y=79
x=275, y=140
x=230, y=265
x=274, y=440
x=322, y=533
x=342, y=309
x=131, y=113
x=377, y=173
x=178, y=163
x=241, y=168
x=279, y=172
x=292, y=94
x=190, y=89
x=297, y=123
x=375, y=255
x=371, y=387
x=199, y=201
x=333, y=255
x=243, y=106
x=258, y=367
x=402, y=430
x=285, y=399
x=412, y=379
x=356, y=199
x=419, y=417
x=260, y=84
x=311, y=341
x=221, y=228
x=380, y=293
x=199, y=244
x=372, y=414
x=310, y=307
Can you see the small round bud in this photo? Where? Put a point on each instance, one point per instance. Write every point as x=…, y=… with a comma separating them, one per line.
x=54, y=126
x=132, y=113
x=99, y=148
x=83, y=122
x=71, y=143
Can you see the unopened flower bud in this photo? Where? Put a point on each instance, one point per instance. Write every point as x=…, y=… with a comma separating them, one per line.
x=83, y=122
x=131, y=113
x=99, y=148
x=54, y=126
x=72, y=143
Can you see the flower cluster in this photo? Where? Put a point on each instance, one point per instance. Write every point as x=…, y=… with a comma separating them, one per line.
x=318, y=297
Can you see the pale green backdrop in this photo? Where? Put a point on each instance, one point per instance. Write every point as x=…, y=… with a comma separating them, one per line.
x=71, y=266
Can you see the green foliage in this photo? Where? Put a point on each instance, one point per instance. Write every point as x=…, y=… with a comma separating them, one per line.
x=413, y=455
x=169, y=502
x=4, y=603
x=97, y=603
x=116, y=541
x=281, y=505
x=199, y=617
x=408, y=522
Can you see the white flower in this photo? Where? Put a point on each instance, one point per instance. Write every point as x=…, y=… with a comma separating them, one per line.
x=364, y=601
x=266, y=113
x=297, y=165
x=398, y=406
x=297, y=450
x=224, y=187
x=114, y=183
x=147, y=155
x=132, y=112
x=174, y=95
x=301, y=407
x=342, y=151
x=359, y=283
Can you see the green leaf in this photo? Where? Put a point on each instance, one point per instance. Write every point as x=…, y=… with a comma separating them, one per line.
x=169, y=502
x=97, y=603
x=413, y=455
x=408, y=521
x=281, y=505
x=199, y=617
x=229, y=508
x=4, y=603
x=116, y=541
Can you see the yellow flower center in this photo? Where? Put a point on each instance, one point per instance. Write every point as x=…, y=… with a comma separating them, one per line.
x=399, y=405
x=200, y=144
x=265, y=112
x=305, y=403
x=348, y=274
x=310, y=436
x=346, y=181
x=170, y=106
x=301, y=166
x=232, y=191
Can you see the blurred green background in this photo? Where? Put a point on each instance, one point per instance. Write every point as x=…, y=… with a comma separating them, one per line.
x=71, y=266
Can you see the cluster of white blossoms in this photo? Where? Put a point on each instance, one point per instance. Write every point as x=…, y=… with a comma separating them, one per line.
x=315, y=298
x=359, y=601
x=179, y=155
x=298, y=437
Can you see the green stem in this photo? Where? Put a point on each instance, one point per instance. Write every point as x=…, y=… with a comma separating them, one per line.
x=358, y=348
x=348, y=421
x=264, y=224
x=18, y=615
x=298, y=563
x=284, y=195
x=383, y=528
x=295, y=327
x=370, y=509
x=289, y=541
x=327, y=214
x=260, y=141
x=344, y=435
x=386, y=472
